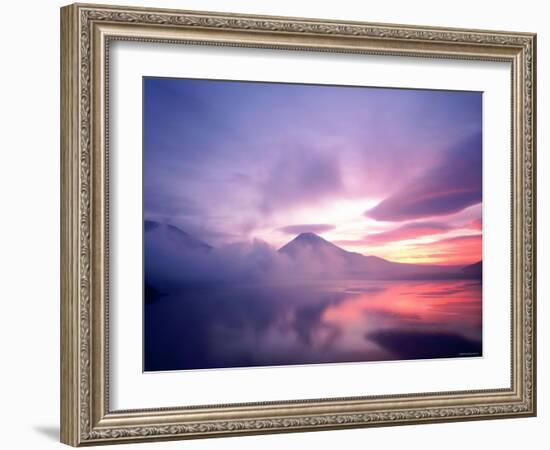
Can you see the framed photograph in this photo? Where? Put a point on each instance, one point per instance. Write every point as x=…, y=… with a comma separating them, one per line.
x=276, y=224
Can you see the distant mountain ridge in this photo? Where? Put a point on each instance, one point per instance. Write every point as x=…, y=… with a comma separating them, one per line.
x=174, y=234
x=312, y=241
x=169, y=250
x=168, y=254
x=310, y=245
x=474, y=270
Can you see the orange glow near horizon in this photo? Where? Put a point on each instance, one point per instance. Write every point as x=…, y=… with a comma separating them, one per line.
x=455, y=250
x=449, y=240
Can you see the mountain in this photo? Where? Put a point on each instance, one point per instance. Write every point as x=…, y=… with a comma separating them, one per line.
x=309, y=248
x=172, y=235
x=313, y=243
x=169, y=254
x=151, y=294
x=313, y=247
x=474, y=270
x=173, y=258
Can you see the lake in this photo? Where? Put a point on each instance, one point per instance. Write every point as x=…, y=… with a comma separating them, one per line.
x=244, y=325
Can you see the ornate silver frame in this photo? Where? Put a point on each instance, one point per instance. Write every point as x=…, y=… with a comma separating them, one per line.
x=86, y=32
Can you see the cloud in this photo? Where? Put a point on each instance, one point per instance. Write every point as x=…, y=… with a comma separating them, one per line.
x=476, y=224
x=407, y=231
x=299, y=177
x=459, y=240
x=169, y=203
x=449, y=187
x=173, y=258
x=228, y=174
x=306, y=228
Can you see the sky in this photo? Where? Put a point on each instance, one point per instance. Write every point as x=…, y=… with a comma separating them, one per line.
x=394, y=173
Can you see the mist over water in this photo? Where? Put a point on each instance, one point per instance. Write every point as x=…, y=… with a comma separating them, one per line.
x=232, y=324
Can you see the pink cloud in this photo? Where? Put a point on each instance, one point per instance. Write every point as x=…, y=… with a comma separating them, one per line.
x=408, y=231
x=447, y=188
x=305, y=228
x=476, y=224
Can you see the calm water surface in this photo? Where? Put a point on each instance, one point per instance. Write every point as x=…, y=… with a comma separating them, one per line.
x=231, y=325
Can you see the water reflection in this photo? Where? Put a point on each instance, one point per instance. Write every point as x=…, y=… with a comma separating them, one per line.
x=230, y=325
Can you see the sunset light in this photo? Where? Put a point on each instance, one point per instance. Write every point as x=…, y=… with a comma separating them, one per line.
x=302, y=224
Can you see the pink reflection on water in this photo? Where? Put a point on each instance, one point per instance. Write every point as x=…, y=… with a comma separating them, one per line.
x=438, y=308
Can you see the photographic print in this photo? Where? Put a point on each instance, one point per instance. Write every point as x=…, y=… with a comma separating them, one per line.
x=251, y=215
x=291, y=224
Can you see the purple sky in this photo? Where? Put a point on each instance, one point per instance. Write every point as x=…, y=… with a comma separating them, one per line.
x=232, y=161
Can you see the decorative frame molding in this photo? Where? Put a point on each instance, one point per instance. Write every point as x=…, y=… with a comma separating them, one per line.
x=86, y=31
